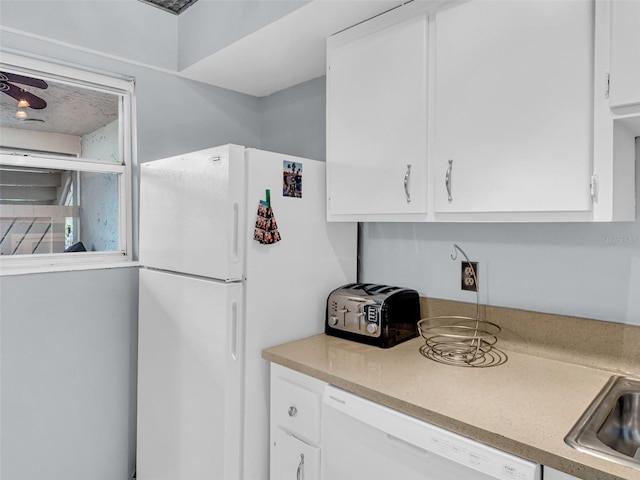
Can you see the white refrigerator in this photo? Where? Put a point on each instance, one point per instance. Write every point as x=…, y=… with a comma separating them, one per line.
x=216, y=287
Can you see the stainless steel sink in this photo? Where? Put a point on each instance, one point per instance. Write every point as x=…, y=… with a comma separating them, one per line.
x=610, y=427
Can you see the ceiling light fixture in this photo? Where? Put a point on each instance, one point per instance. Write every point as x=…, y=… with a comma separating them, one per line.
x=23, y=103
x=21, y=114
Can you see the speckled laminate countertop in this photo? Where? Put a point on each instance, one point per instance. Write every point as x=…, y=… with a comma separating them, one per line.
x=525, y=406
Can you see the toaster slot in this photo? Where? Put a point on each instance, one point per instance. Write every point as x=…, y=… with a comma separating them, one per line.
x=389, y=290
x=365, y=286
x=375, y=288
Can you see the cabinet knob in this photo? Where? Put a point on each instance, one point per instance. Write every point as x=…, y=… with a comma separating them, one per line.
x=293, y=411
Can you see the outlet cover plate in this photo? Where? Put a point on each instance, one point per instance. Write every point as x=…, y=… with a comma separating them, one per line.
x=470, y=276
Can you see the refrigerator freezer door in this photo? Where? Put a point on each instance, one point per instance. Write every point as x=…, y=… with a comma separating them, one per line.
x=189, y=378
x=288, y=282
x=190, y=213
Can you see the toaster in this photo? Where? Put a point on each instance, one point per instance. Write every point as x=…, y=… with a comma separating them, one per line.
x=379, y=315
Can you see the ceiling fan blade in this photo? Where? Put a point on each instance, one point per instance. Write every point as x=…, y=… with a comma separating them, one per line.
x=17, y=93
x=14, y=77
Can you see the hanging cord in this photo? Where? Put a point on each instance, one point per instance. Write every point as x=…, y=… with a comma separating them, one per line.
x=477, y=342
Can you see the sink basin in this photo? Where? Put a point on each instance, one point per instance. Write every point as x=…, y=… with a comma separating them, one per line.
x=610, y=427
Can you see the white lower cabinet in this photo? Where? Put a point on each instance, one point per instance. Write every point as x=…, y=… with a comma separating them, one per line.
x=294, y=459
x=296, y=409
x=321, y=432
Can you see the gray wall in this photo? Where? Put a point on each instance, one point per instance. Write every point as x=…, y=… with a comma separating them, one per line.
x=584, y=270
x=210, y=25
x=68, y=345
x=173, y=116
x=122, y=29
x=67, y=401
x=293, y=120
x=131, y=30
x=67, y=350
x=576, y=269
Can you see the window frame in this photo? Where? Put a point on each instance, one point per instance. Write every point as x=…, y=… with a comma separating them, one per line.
x=123, y=87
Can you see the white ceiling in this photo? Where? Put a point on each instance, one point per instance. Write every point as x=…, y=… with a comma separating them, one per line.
x=70, y=110
x=286, y=52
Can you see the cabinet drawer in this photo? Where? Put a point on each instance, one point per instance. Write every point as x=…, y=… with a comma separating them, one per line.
x=296, y=408
x=293, y=459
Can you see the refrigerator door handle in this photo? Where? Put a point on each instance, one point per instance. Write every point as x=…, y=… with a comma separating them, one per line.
x=235, y=337
x=235, y=234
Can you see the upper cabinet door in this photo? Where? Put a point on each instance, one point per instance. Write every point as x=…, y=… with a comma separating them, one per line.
x=513, y=107
x=625, y=53
x=377, y=117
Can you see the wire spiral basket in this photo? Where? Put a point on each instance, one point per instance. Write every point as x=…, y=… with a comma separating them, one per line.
x=461, y=341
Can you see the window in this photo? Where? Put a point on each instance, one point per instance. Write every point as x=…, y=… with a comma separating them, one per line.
x=65, y=167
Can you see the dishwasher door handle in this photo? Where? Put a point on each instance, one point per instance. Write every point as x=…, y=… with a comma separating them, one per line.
x=407, y=446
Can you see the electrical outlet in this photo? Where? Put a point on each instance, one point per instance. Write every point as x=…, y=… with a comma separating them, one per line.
x=470, y=276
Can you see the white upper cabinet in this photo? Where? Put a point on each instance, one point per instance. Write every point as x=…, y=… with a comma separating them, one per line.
x=377, y=118
x=625, y=53
x=513, y=102
x=616, y=117
x=485, y=110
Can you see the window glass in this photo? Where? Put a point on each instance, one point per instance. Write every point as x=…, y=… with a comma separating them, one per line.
x=64, y=163
x=46, y=210
x=58, y=118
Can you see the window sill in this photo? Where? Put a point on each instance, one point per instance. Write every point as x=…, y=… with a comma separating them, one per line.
x=16, y=266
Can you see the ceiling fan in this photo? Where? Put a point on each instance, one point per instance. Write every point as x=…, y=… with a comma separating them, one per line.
x=24, y=98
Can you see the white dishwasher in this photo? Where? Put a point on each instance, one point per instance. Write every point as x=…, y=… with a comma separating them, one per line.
x=365, y=440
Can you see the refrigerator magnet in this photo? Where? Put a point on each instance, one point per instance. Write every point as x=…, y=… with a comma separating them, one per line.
x=291, y=179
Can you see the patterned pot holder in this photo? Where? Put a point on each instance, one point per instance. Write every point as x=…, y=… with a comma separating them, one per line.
x=266, y=230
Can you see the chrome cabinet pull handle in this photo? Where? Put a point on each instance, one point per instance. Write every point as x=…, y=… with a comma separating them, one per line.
x=300, y=472
x=448, y=179
x=293, y=411
x=406, y=183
